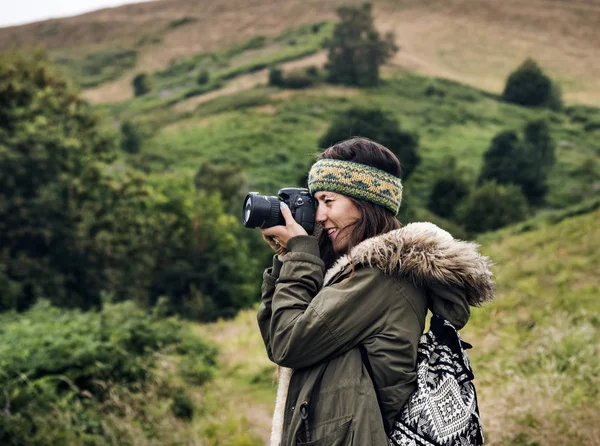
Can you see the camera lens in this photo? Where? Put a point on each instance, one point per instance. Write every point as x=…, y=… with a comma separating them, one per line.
x=261, y=211
x=247, y=210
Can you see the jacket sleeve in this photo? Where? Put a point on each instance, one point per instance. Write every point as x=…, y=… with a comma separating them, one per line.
x=309, y=324
x=270, y=276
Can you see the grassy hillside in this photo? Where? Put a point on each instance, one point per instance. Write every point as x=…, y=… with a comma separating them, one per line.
x=535, y=352
x=274, y=133
x=470, y=41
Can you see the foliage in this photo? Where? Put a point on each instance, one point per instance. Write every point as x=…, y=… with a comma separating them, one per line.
x=229, y=181
x=528, y=85
x=448, y=191
x=356, y=51
x=51, y=153
x=276, y=77
x=132, y=137
x=73, y=226
x=379, y=126
x=64, y=372
x=202, y=261
x=525, y=163
x=203, y=77
x=142, y=84
x=99, y=67
x=297, y=79
x=491, y=206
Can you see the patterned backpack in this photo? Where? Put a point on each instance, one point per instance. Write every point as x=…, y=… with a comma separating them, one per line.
x=443, y=410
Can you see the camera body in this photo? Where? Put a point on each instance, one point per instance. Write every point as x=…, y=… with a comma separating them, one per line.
x=264, y=211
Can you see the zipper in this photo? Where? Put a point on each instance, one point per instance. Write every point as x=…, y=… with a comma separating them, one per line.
x=304, y=416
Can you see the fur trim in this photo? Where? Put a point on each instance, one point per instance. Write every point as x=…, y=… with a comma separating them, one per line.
x=285, y=376
x=425, y=254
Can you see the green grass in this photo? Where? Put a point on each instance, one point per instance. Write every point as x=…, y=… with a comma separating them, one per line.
x=275, y=146
x=536, y=347
x=97, y=68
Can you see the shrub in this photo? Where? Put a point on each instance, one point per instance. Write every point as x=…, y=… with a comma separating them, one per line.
x=448, y=191
x=356, y=50
x=528, y=85
x=299, y=79
x=182, y=405
x=132, y=137
x=492, y=206
x=525, y=163
x=203, y=77
x=142, y=84
x=373, y=123
x=276, y=77
x=64, y=372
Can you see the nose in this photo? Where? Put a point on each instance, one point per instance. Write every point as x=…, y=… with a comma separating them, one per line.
x=321, y=215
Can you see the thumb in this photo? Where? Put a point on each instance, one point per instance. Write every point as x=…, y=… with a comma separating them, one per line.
x=287, y=214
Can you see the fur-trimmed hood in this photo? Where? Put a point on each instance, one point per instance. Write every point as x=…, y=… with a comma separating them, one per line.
x=452, y=270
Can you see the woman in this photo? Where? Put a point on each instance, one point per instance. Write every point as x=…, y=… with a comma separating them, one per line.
x=363, y=281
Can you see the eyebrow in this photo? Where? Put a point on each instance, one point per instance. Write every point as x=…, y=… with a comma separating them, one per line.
x=321, y=195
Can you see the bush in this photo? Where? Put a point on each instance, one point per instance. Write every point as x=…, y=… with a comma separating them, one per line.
x=64, y=372
x=142, y=84
x=448, y=191
x=528, y=85
x=374, y=124
x=203, y=77
x=355, y=50
x=492, y=206
x=182, y=405
x=276, y=77
x=525, y=163
x=132, y=137
x=97, y=68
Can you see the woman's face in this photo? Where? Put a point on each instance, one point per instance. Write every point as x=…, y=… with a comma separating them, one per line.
x=337, y=214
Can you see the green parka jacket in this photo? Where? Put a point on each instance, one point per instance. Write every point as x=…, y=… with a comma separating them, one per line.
x=312, y=322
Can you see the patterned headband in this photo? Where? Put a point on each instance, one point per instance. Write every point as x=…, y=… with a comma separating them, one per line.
x=356, y=180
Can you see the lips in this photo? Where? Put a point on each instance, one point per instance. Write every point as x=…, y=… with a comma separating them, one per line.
x=331, y=232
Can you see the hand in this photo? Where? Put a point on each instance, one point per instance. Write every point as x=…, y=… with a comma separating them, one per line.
x=278, y=236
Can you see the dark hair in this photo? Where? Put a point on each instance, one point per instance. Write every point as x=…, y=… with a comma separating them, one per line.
x=374, y=219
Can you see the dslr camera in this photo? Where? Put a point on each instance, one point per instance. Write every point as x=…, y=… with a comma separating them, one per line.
x=264, y=211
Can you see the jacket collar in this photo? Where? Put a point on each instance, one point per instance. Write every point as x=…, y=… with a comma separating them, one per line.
x=426, y=255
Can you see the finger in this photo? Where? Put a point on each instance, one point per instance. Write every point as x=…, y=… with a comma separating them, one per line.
x=274, y=231
x=287, y=214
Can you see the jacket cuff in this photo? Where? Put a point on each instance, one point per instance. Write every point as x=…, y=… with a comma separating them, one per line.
x=304, y=243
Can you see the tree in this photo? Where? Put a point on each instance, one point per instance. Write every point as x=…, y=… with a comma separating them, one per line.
x=492, y=206
x=448, y=191
x=525, y=163
x=142, y=84
x=374, y=124
x=356, y=50
x=528, y=85
x=229, y=181
x=75, y=226
x=132, y=137
x=52, y=155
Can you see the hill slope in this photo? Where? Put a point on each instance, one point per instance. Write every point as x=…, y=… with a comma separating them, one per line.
x=469, y=41
x=535, y=347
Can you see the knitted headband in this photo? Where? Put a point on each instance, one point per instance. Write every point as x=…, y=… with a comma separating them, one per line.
x=356, y=180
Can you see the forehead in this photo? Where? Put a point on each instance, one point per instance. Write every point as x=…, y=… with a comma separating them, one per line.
x=324, y=194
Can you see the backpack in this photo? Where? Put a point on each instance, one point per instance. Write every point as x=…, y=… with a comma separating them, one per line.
x=443, y=410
